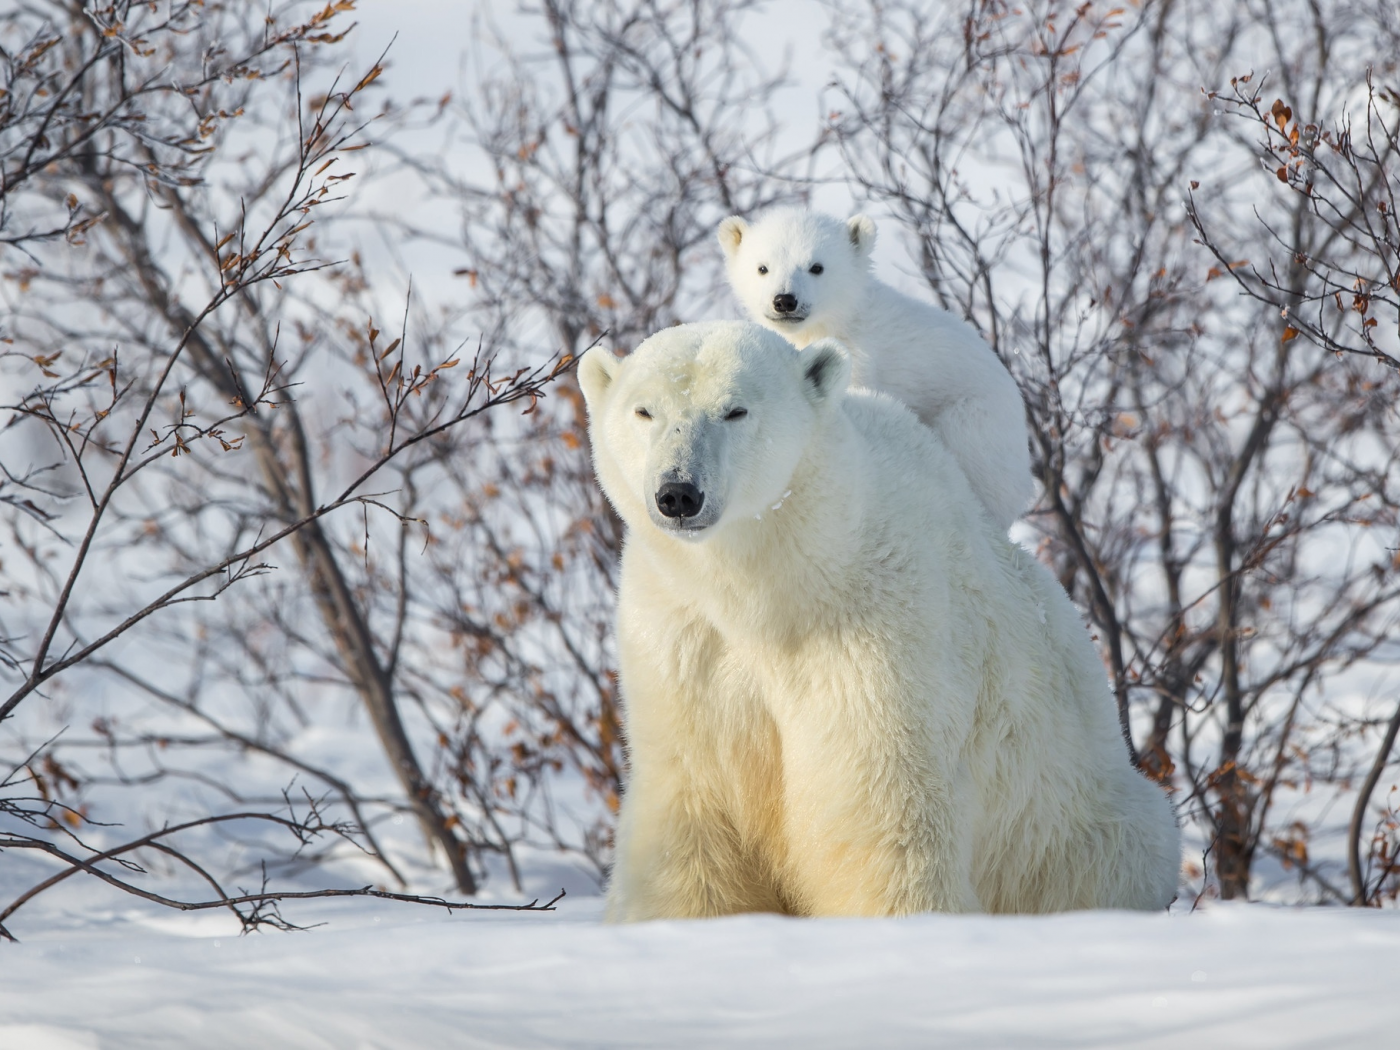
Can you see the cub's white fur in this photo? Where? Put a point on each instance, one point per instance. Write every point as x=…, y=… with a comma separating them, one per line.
x=932, y=361
x=845, y=693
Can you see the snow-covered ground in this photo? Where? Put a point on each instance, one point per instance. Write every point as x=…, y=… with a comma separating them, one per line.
x=380, y=977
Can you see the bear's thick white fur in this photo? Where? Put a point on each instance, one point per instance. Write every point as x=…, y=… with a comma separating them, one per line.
x=845, y=694
x=929, y=359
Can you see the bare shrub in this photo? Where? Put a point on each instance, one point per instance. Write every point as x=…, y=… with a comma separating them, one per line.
x=205, y=400
x=260, y=499
x=1217, y=495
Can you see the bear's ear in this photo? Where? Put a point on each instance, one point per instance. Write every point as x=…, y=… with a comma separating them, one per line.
x=596, y=371
x=731, y=232
x=861, y=230
x=826, y=370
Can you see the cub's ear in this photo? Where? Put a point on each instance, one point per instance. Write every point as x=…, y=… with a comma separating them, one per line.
x=826, y=370
x=861, y=230
x=596, y=371
x=731, y=232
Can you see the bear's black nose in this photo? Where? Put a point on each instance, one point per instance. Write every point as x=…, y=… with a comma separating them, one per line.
x=679, y=499
x=785, y=303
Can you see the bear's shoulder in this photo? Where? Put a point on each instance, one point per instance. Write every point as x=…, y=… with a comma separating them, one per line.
x=881, y=418
x=899, y=447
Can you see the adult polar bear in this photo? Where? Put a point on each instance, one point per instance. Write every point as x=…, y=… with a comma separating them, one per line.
x=845, y=694
x=807, y=276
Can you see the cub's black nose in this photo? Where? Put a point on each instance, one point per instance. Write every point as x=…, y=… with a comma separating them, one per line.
x=679, y=499
x=784, y=304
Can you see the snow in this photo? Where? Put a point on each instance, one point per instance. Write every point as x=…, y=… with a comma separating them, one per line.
x=384, y=977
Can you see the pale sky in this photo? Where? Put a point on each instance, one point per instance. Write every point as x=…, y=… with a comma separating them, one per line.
x=434, y=35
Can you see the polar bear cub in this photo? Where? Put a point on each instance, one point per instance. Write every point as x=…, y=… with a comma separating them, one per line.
x=845, y=693
x=807, y=276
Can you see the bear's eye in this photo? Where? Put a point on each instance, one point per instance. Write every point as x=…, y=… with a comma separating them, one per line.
x=737, y=413
x=763, y=269
x=642, y=413
x=816, y=268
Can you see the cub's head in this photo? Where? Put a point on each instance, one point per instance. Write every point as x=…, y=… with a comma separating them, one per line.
x=703, y=425
x=794, y=270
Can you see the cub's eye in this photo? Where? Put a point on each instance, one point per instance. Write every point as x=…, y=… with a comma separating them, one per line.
x=737, y=413
x=763, y=269
x=642, y=413
x=816, y=268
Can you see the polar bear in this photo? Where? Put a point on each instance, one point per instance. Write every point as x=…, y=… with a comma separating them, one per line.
x=845, y=693
x=807, y=276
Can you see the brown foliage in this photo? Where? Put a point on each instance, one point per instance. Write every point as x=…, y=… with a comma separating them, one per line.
x=1218, y=494
x=252, y=514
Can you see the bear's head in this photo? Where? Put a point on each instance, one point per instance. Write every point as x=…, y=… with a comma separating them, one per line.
x=704, y=424
x=798, y=272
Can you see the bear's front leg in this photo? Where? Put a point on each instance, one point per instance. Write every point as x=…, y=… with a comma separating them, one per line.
x=696, y=832
x=679, y=856
x=876, y=815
